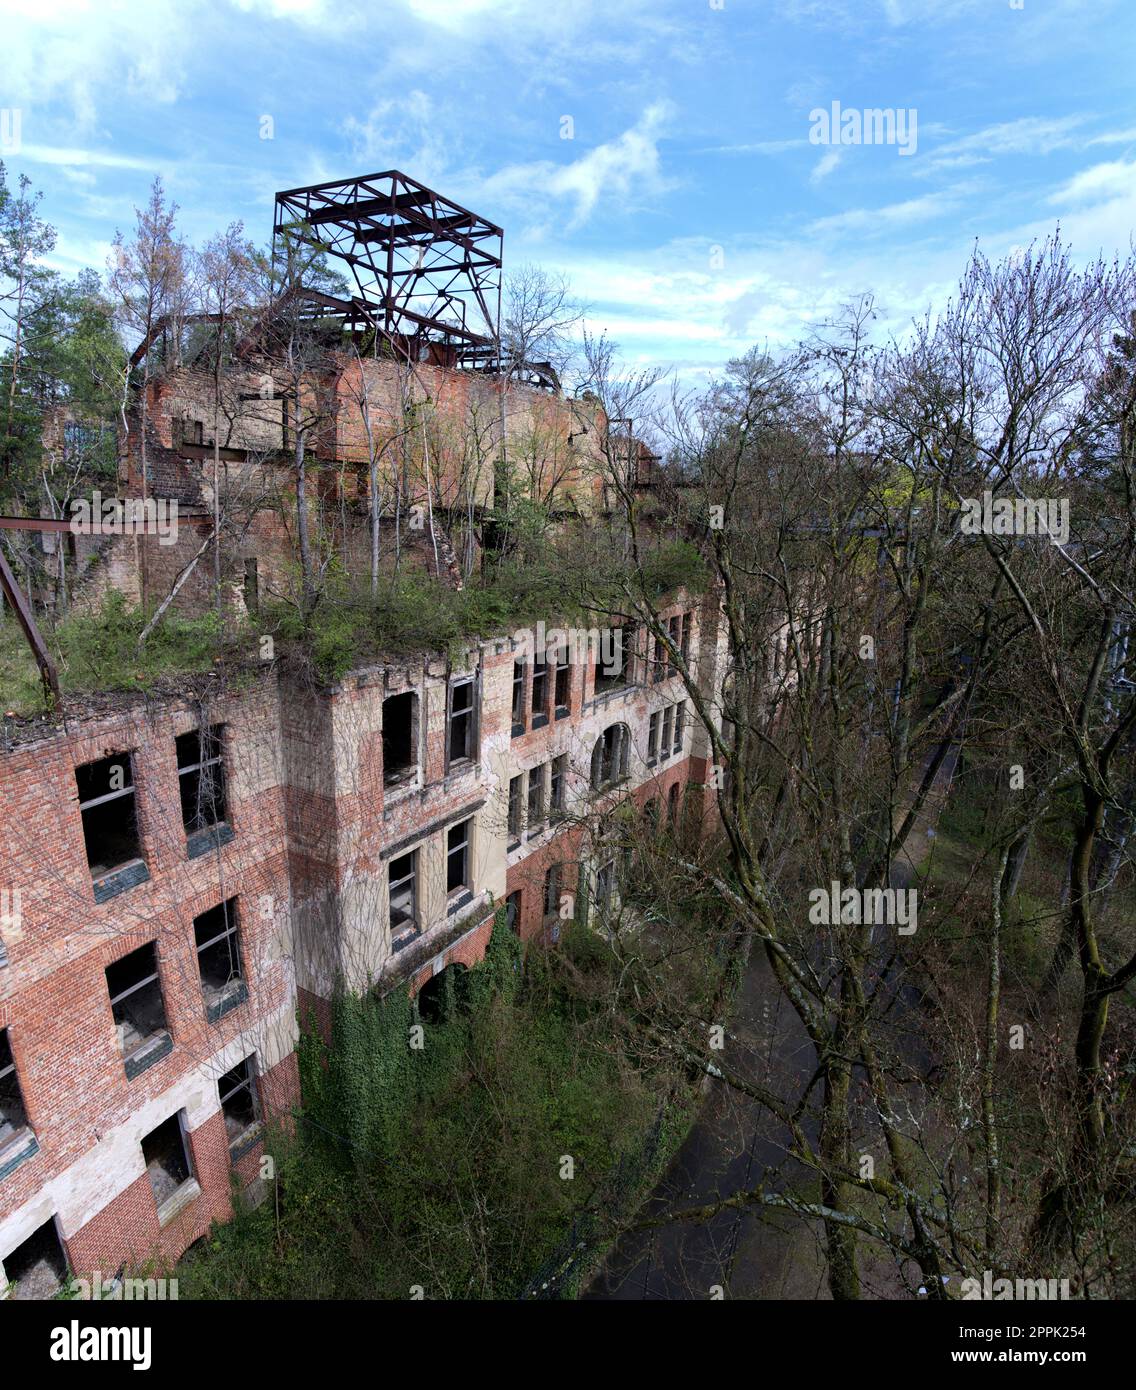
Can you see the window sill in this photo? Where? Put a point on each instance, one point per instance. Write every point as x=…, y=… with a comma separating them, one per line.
x=462, y=897
x=146, y=1055
x=232, y=998
x=519, y=730
x=246, y=1141
x=407, y=938
x=539, y=720
x=212, y=837
x=126, y=876
x=17, y=1151
x=177, y=1201
x=562, y=712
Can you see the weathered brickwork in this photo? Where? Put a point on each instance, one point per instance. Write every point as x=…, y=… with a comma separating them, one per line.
x=315, y=829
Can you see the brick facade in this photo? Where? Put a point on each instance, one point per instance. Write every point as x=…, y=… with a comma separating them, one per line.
x=312, y=828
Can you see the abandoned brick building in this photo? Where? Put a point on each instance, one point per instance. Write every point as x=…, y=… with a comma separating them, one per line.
x=187, y=877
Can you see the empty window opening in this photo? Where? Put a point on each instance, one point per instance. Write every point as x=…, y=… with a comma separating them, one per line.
x=610, y=756
x=252, y=585
x=13, y=1116
x=136, y=1001
x=518, y=698
x=684, y=645
x=536, y=799
x=605, y=889
x=461, y=741
x=106, y=802
x=37, y=1268
x=653, y=738
x=674, y=631
x=668, y=730
x=457, y=857
x=552, y=892
x=444, y=994
x=556, y=783
x=403, y=874
x=516, y=807
x=237, y=1090
x=680, y=725
x=539, y=699
x=563, y=685
x=219, y=954
x=673, y=805
x=201, y=777
x=167, y=1159
x=400, y=721
x=612, y=659
x=513, y=912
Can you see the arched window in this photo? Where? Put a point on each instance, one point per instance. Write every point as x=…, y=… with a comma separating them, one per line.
x=611, y=757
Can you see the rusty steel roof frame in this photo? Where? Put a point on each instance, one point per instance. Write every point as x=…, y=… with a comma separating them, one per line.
x=426, y=269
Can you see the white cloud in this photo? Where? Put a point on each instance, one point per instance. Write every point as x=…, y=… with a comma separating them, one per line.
x=625, y=168
x=825, y=165
x=1102, y=182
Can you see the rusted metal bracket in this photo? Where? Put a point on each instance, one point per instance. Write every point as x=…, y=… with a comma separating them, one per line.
x=15, y=596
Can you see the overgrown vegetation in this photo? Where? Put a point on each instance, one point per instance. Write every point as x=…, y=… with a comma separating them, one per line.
x=443, y=1167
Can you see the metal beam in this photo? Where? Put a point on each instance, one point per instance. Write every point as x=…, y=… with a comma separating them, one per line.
x=15, y=596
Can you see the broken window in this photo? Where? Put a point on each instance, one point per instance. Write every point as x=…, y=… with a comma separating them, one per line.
x=139, y=1011
x=37, y=1268
x=518, y=698
x=653, y=738
x=539, y=698
x=610, y=756
x=13, y=1116
x=536, y=799
x=400, y=760
x=552, y=892
x=457, y=857
x=658, y=660
x=562, y=693
x=605, y=888
x=106, y=803
x=167, y=1159
x=219, y=959
x=612, y=659
x=556, y=783
x=402, y=875
x=462, y=740
x=516, y=807
x=201, y=778
x=239, y=1106
x=680, y=725
x=668, y=730
x=252, y=585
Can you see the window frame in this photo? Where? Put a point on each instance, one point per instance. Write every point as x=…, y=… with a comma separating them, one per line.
x=465, y=849
x=409, y=930
x=215, y=734
x=469, y=713
x=536, y=816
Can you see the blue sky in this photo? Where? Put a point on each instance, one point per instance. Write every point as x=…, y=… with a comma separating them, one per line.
x=689, y=208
